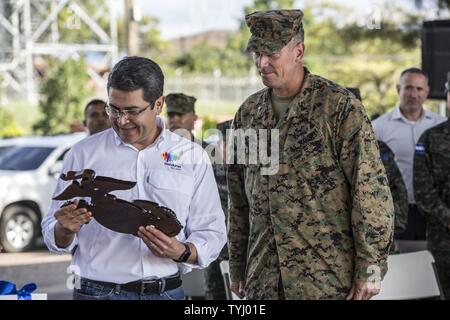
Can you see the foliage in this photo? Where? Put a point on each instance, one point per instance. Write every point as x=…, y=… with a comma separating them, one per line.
x=371, y=59
x=208, y=124
x=63, y=92
x=207, y=59
x=231, y=60
x=338, y=46
x=8, y=127
x=73, y=30
x=350, y=52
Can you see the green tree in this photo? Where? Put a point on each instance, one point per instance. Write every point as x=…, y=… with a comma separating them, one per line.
x=151, y=43
x=150, y=37
x=72, y=29
x=8, y=126
x=208, y=124
x=62, y=94
x=231, y=60
x=355, y=55
x=206, y=59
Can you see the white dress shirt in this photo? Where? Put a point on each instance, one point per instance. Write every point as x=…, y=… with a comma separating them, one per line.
x=401, y=136
x=185, y=183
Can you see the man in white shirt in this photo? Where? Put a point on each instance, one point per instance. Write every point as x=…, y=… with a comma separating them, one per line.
x=168, y=169
x=400, y=129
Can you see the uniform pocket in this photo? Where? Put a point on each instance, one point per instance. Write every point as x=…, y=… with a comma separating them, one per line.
x=177, y=183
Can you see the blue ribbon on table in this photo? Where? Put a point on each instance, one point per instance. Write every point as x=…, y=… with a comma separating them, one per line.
x=7, y=287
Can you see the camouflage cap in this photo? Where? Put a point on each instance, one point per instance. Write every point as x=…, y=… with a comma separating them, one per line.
x=273, y=29
x=180, y=103
x=223, y=126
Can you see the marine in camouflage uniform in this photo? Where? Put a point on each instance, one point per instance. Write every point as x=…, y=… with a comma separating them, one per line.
x=432, y=193
x=398, y=189
x=214, y=283
x=324, y=221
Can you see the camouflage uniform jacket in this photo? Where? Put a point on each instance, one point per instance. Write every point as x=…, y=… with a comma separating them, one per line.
x=397, y=186
x=221, y=179
x=432, y=184
x=326, y=217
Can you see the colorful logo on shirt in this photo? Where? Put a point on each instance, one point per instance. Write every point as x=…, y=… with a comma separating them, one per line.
x=420, y=148
x=170, y=156
x=170, y=160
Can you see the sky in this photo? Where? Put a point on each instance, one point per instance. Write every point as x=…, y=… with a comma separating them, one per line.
x=185, y=17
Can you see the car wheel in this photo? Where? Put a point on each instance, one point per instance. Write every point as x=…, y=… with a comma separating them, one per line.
x=18, y=228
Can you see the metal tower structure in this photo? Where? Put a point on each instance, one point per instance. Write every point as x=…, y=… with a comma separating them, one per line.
x=30, y=29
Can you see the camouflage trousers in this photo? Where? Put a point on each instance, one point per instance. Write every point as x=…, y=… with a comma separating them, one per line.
x=214, y=284
x=442, y=259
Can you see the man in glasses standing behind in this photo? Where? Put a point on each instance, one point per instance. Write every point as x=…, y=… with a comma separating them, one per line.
x=168, y=170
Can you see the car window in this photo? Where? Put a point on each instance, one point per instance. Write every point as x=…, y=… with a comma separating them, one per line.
x=3, y=149
x=24, y=158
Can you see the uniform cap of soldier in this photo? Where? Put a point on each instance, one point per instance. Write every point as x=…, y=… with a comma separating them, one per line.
x=271, y=30
x=180, y=103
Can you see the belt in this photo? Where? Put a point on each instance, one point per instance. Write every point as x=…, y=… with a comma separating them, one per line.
x=154, y=286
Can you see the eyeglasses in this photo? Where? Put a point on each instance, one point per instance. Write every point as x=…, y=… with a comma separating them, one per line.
x=116, y=113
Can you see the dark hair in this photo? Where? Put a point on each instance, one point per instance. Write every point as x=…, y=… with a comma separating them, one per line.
x=93, y=102
x=414, y=70
x=134, y=73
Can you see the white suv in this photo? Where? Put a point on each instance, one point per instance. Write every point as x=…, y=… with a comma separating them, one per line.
x=29, y=169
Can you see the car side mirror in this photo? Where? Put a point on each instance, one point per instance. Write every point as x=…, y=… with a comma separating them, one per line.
x=55, y=169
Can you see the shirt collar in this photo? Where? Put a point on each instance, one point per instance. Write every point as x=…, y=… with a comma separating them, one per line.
x=396, y=115
x=158, y=141
x=308, y=83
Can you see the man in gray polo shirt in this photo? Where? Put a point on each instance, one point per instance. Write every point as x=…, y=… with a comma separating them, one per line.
x=400, y=129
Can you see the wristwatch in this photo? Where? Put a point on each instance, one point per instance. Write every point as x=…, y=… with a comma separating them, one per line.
x=185, y=255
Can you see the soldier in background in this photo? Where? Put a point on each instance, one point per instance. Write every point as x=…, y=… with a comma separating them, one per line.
x=398, y=190
x=396, y=183
x=432, y=192
x=181, y=116
x=95, y=117
x=321, y=226
x=214, y=284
